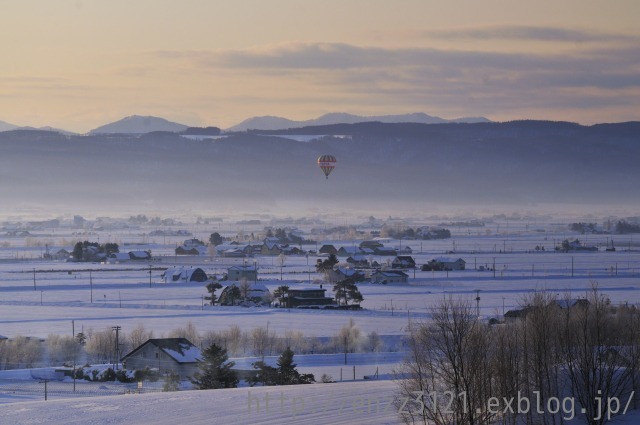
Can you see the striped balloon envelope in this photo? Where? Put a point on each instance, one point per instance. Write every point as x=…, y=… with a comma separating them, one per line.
x=327, y=163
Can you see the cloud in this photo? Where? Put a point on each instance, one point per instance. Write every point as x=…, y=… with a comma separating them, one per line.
x=606, y=68
x=467, y=82
x=531, y=33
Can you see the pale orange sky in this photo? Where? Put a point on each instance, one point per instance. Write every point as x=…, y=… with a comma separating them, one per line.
x=78, y=64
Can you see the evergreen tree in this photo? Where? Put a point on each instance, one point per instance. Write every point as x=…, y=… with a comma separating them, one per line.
x=215, y=239
x=285, y=374
x=347, y=290
x=211, y=287
x=265, y=375
x=215, y=370
x=323, y=266
x=281, y=294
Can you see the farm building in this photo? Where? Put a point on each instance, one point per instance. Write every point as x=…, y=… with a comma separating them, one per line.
x=389, y=276
x=249, y=273
x=308, y=296
x=178, y=355
x=184, y=274
x=403, y=262
x=447, y=263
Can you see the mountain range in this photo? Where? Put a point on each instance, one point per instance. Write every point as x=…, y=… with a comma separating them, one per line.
x=278, y=123
x=380, y=167
x=136, y=124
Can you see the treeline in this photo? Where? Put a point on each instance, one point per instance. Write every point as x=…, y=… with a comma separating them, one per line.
x=97, y=346
x=624, y=227
x=565, y=359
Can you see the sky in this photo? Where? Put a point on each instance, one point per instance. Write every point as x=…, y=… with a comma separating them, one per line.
x=79, y=64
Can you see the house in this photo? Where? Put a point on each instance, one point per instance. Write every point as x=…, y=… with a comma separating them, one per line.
x=121, y=257
x=389, y=276
x=184, y=274
x=249, y=273
x=61, y=254
x=342, y=273
x=572, y=303
x=193, y=250
x=403, y=262
x=308, y=297
x=447, y=263
x=405, y=250
x=118, y=257
x=371, y=244
x=176, y=355
x=358, y=261
x=328, y=249
x=140, y=255
x=191, y=243
x=254, y=293
x=562, y=304
x=272, y=248
x=347, y=251
x=383, y=250
x=233, y=250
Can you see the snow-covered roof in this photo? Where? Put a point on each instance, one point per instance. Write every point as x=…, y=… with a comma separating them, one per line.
x=247, y=268
x=391, y=273
x=139, y=254
x=179, y=349
x=447, y=259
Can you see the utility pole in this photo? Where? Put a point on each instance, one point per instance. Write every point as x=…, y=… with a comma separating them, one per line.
x=91, y=285
x=117, y=329
x=34, y=279
x=494, y=267
x=478, y=303
x=149, y=275
x=572, y=266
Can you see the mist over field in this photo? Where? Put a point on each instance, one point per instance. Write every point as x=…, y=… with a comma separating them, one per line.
x=382, y=168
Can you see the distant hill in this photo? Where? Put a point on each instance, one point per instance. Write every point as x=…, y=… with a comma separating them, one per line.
x=139, y=125
x=278, y=123
x=380, y=167
x=5, y=126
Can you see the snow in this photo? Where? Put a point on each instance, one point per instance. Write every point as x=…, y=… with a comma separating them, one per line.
x=340, y=403
x=87, y=295
x=187, y=354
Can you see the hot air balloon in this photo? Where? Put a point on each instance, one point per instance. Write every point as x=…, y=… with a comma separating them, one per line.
x=327, y=163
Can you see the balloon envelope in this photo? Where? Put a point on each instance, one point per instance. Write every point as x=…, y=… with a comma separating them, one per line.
x=327, y=163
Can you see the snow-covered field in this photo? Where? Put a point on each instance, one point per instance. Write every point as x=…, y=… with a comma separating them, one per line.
x=39, y=298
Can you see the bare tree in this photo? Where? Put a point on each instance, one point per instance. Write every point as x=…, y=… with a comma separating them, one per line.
x=62, y=349
x=189, y=332
x=100, y=345
x=593, y=356
x=138, y=336
x=450, y=356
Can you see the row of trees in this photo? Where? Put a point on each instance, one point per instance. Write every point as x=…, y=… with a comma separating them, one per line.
x=586, y=353
x=98, y=346
x=216, y=371
x=82, y=252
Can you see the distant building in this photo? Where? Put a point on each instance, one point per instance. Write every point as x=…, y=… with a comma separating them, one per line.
x=249, y=273
x=192, y=250
x=184, y=274
x=447, y=263
x=328, y=249
x=358, y=261
x=61, y=254
x=403, y=262
x=176, y=355
x=255, y=293
x=389, y=276
x=308, y=297
x=347, y=251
